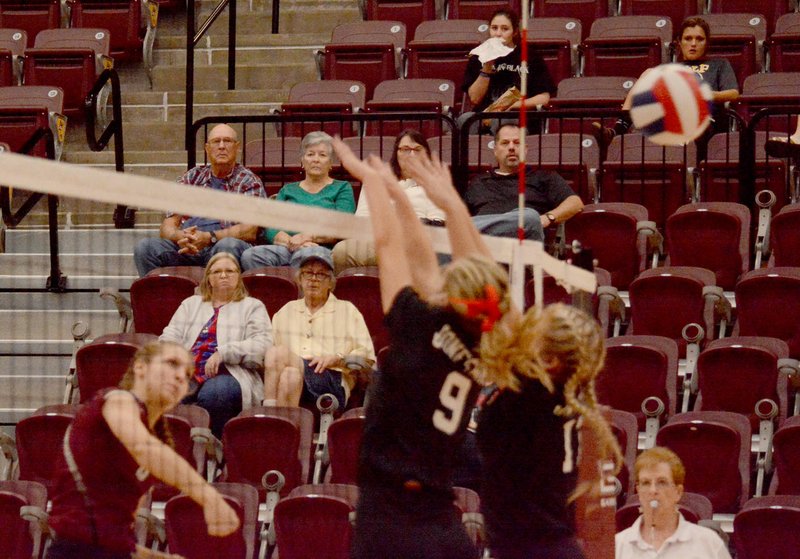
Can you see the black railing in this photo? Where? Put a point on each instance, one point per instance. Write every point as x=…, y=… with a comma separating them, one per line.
x=124, y=217
x=55, y=281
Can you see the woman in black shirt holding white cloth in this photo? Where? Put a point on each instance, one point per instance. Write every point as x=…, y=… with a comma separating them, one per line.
x=486, y=82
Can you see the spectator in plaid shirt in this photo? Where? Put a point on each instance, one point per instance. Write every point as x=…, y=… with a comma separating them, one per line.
x=191, y=240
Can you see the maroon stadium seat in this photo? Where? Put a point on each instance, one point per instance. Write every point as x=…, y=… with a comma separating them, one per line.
x=410, y=12
x=273, y=286
x=711, y=235
x=637, y=368
x=273, y=438
x=361, y=286
x=479, y=9
x=365, y=51
x=771, y=9
x=411, y=95
x=327, y=517
x=584, y=10
x=440, y=49
x=122, y=18
x=664, y=300
x=739, y=38
x=676, y=11
x=736, y=373
x=40, y=439
x=714, y=446
x=70, y=59
x=768, y=527
x=21, y=535
x=769, y=90
x=12, y=47
x=187, y=533
x=644, y=173
x=626, y=45
x=344, y=442
x=103, y=362
x=783, y=46
x=719, y=172
x=617, y=235
x=556, y=40
x=590, y=92
x=327, y=97
x=275, y=160
x=156, y=297
x=785, y=237
x=786, y=459
x=25, y=109
x=768, y=303
x=31, y=15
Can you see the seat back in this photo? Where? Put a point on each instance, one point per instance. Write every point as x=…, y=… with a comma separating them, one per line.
x=770, y=10
x=32, y=16
x=711, y=235
x=584, y=10
x=122, y=18
x=644, y=173
x=408, y=96
x=480, y=9
x=276, y=161
x=715, y=449
x=786, y=458
x=12, y=46
x=768, y=527
x=785, y=231
x=187, y=532
x=588, y=92
x=636, y=368
x=783, y=46
x=101, y=365
x=40, y=441
x=664, y=300
x=155, y=299
x=410, y=12
x=344, y=443
x=761, y=91
x=768, y=303
x=325, y=96
x=326, y=517
x=361, y=286
x=676, y=11
x=626, y=45
x=626, y=431
x=610, y=231
x=738, y=37
x=24, y=110
x=273, y=286
x=15, y=538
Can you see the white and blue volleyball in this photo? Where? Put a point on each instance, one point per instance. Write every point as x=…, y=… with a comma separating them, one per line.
x=671, y=105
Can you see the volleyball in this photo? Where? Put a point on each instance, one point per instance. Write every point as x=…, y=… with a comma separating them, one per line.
x=670, y=105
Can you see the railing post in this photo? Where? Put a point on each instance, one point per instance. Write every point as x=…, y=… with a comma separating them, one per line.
x=276, y=15
x=190, y=27
x=232, y=45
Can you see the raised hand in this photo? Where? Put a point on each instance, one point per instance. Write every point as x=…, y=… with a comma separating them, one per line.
x=221, y=519
x=434, y=176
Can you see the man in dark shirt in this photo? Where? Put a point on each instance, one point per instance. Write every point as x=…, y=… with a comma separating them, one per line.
x=492, y=198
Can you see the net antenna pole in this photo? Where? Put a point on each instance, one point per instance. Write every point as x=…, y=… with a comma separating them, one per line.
x=517, y=268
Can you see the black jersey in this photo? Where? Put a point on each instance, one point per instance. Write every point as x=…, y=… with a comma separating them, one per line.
x=420, y=402
x=529, y=456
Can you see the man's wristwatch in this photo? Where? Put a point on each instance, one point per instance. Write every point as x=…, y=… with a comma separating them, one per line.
x=551, y=217
x=213, y=238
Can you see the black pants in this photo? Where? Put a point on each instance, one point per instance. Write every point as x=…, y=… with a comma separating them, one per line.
x=66, y=549
x=566, y=548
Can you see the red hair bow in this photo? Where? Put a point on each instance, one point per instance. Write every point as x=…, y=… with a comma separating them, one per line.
x=488, y=307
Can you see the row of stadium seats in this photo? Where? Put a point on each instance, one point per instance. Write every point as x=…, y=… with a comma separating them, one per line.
x=373, y=51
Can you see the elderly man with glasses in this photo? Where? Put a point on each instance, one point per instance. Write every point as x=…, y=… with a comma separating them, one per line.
x=315, y=339
x=191, y=240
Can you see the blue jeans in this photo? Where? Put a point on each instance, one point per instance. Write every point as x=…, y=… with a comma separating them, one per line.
x=505, y=225
x=153, y=253
x=272, y=255
x=221, y=397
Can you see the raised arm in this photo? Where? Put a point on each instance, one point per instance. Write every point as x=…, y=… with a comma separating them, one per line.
x=435, y=178
x=121, y=413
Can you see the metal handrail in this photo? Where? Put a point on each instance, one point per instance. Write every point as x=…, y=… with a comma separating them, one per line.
x=56, y=281
x=124, y=217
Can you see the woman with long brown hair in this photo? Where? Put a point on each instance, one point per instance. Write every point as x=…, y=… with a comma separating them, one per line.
x=114, y=450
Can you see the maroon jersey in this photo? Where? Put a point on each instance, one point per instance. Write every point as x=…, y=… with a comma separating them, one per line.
x=114, y=482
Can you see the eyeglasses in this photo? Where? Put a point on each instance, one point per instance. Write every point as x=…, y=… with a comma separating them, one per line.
x=220, y=141
x=660, y=484
x=406, y=150
x=315, y=275
x=226, y=272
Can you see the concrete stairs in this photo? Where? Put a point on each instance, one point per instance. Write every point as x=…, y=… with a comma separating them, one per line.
x=35, y=325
